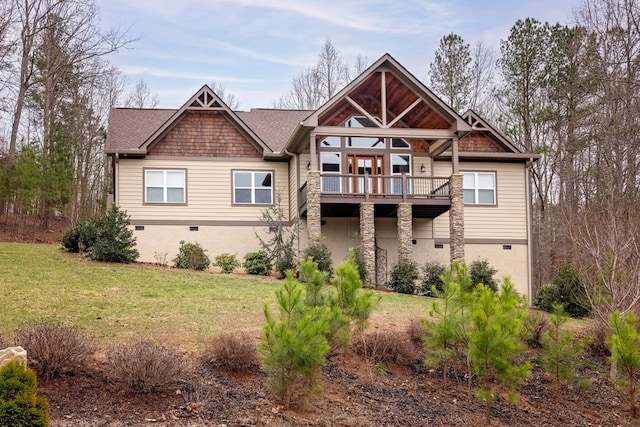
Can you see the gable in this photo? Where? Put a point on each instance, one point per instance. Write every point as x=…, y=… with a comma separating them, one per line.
x=393, y=102
x=480, y=142
x=206, y=133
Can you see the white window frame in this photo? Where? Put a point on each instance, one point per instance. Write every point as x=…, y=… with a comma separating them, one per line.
x=327, y=178
x=397, y=182
x=476, y=188
x=165, y=186
x=252, y=187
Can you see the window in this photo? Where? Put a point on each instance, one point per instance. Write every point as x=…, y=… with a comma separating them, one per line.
x=479, y=188
x=400, y=164
x=330, y=165
x=361, y=141
x=164, y=186
x=252, y=187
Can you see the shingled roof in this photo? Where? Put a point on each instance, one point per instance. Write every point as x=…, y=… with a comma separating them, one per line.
x=129, y=128
x=273, y=126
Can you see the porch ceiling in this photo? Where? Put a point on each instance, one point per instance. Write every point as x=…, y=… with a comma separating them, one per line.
x=422, y=209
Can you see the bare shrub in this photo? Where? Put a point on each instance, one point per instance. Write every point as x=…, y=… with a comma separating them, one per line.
x=599, y=332
x=54, y=349
x=416, y=332
x=146, y=367
x=4, y=341
x=231, y=353
x=534, y=325
x=386, y=346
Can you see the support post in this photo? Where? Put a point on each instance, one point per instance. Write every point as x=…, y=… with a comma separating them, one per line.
x=313, y=206
x=405, y=232
x=368, y=241
x=456, y=219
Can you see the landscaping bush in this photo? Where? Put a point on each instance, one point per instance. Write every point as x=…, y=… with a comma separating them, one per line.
x=231, y=353
x=481, y=272
x=257, y=263
x=321, y=255
x=54, y=349
x=286, y=261
x=565, y=289
x=227, y=262
x=80, y=237
x=534, y=326
x=385, y=347
x=106, y=238
x=19, y=404
x=146, y=367
x=403, y=277
x=191, y=256
x=357, y=256
x=431, y=273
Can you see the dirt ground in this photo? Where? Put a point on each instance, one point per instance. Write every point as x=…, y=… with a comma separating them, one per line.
x=357, y=392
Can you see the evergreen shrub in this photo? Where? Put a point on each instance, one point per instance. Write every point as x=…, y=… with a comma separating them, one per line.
x=191, y=256
x=227, y=262
x=257, y=263
x=19, y=404
x=403, y=276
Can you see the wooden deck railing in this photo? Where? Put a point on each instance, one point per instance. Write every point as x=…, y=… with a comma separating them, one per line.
x=380, y=186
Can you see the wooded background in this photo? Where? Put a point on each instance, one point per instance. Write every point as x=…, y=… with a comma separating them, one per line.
x=568, y=92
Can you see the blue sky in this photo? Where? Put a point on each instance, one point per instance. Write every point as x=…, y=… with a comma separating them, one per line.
x=254, y=47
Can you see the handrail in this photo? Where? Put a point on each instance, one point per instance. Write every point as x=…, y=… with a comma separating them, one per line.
x=380, y=186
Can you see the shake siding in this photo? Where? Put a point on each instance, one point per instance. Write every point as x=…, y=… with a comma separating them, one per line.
x=209, y=190
x=507, y=220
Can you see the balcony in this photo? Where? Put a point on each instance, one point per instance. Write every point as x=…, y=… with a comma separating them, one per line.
x=341, y=195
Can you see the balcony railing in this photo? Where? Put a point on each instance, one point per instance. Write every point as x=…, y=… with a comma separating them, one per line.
x=377, y=187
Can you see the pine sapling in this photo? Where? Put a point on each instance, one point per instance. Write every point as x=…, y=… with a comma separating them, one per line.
x=561, y=351
x=495, y=340
x=294, y=346
x=624, y=344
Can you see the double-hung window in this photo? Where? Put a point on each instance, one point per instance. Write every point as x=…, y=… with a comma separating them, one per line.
x=252, y=187
x=165, y=186
x=479, y=188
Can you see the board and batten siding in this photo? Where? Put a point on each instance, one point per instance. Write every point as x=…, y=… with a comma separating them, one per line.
x=507, y=219
x=209, y=189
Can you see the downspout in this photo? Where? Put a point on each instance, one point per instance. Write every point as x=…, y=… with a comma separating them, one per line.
x=116, y=169
x=297, y=186
x=529, y=232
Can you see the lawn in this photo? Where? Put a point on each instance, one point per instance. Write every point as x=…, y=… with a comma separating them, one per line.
x=117, y=303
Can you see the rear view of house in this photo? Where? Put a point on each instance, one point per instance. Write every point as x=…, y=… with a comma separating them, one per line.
x=384, y=164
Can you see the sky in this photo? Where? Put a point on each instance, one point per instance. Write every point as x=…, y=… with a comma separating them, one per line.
x=254, y=48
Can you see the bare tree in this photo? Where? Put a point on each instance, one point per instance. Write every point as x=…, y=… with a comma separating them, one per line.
x=226, y=96
x=142, y=97
x=316, y=85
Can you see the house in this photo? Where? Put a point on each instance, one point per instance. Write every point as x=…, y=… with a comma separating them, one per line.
x=384, y=164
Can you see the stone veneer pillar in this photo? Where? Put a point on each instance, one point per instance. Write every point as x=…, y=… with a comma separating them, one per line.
x=368, y=241
x=313, y=206
x=456, y=219
x=405, y=232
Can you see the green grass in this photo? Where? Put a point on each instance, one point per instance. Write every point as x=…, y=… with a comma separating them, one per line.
x=117, y=303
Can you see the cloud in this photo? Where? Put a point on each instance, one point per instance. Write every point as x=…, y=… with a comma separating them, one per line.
x=176, y=74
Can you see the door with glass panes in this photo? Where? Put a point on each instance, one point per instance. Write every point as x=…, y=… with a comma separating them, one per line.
x=366, y=173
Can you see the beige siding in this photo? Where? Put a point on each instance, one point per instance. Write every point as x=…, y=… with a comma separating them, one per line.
x=209, y=190
x=293, y=191
x=506, y=220
x=418, y=161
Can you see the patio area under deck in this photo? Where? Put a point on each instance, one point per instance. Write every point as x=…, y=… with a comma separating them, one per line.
x=341, y=195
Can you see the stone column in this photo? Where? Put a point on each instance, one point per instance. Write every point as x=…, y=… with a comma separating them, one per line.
x=368, y=241
x=313, y=206
x=456, y=218
x=405, y=232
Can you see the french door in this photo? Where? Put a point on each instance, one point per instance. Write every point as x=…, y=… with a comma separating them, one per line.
x=365, y=173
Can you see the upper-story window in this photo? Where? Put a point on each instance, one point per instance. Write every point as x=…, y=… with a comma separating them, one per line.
x=165, y=186
x=479, y=188
x=252, y=187
x=362, y=141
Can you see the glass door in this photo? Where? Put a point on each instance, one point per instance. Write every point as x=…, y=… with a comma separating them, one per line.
x=366, y=171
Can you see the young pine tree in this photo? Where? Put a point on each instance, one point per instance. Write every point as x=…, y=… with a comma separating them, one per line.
x=447, y=339
x=624, y=344
x=561, y=352
x=294, y=346
x=495, y=340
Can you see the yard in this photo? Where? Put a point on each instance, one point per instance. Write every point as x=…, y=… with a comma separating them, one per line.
x=115, y=304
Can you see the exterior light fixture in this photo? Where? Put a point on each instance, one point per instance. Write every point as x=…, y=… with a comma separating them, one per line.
x=422, y=168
